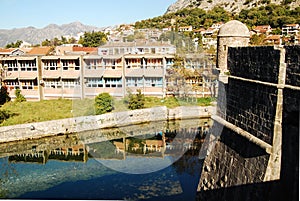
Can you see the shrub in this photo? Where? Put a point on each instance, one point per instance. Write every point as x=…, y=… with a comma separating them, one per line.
x=103, y=103
x=4, y=95
x=19, y=96
x=136, y=101
x=4, y=114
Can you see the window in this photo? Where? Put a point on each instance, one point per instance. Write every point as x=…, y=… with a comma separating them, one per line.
x=50, y=65
x=134, y=81
x=153, y=82
x=77, y=64
x=65, y=64
x=11, y=65
x=28, y=84
x=52, y=83
x=93, y=63
x=28, y=65
x=12, y=84
x=70, y=83
x=94, y=82
x=113, y=82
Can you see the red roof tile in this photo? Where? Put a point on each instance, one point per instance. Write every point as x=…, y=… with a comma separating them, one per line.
x=39, y=51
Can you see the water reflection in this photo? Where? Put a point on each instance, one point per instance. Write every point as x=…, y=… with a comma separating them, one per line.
x=95, y=164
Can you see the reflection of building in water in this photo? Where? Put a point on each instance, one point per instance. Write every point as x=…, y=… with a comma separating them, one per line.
x=150, y=140
x=76, y=153
x=138, y=146
x=33, y=157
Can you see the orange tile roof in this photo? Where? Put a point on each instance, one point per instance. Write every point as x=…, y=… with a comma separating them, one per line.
x=8, y=50
x=85, y=49
x=273, y=37
x=290, y=25
x=39, y=51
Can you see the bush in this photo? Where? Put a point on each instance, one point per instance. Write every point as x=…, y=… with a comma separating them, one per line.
x=136, y=101
x=4, y=114
x=103, y=103
x=4, y=95
x=19, y=96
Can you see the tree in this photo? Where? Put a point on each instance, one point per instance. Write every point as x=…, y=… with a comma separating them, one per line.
x=103, y=103
x=4, y=114
x=4, y=95
x=14, y=45
x=136, y=101
x=19, y=96
x=93, y=39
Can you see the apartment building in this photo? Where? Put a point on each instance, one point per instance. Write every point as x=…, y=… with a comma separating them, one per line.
x=130, y=66
x=22, y=72
x=61, y=77
x=115, y=68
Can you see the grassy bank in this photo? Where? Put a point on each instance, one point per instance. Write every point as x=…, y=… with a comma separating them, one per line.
x=28, y=112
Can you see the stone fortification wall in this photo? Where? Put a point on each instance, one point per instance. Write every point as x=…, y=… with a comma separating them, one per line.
x=256, y=63
x=110, y=120
x=293, y=61
x=250, y=106
x=254, y=146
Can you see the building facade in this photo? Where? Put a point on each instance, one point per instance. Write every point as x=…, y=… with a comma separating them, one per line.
x=117, y=68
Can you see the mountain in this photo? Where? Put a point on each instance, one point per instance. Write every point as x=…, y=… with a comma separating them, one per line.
x=234, y=6
x=35, y=36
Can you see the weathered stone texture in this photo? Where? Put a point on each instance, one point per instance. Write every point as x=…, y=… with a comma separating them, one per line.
x=223, y=47
x=234, y=161
x=256, y=63
x=292, y=60
x=261, y=78
x=109, y=120
x=290, y=144
x=252, y=107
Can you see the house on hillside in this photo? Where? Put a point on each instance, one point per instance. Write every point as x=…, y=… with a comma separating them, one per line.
x=273, y=40
x=290, y=29
x=185, y=28
x=262, y=29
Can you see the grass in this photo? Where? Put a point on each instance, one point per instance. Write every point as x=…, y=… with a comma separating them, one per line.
x=28, y=112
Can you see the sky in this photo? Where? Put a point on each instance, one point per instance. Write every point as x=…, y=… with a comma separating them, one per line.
x=100, y=13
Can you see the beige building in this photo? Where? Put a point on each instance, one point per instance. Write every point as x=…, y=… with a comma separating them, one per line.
x=116, y=68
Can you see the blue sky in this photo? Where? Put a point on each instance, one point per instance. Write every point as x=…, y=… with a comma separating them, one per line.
x=101, y=13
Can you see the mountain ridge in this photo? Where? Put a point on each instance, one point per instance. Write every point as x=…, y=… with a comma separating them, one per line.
x=35, y=35
x=234, y=6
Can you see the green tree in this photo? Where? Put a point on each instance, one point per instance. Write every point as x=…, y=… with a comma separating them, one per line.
x=4, y=95
x=14, y=45
x=103, y=103
x=93, y=39
x=4, y=114
x=46, y=42
x=136, y=101
x=257, y=39
x=19, y=96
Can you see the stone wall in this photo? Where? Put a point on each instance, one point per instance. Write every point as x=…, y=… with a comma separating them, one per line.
x=262, y=99
x=250, y=106
x=293, y=62
x=256, y=63
x=110, y=120
x=233, y=162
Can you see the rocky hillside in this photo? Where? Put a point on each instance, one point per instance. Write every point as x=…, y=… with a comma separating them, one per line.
x=234, y=6
x=35, y=36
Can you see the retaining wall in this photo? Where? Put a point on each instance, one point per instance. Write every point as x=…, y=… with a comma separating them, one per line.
x=110, y=120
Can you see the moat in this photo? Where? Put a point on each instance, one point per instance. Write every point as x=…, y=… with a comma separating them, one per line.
x=154, y=161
